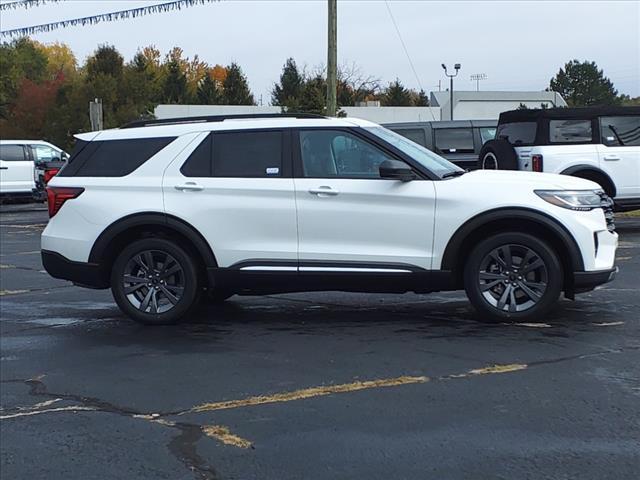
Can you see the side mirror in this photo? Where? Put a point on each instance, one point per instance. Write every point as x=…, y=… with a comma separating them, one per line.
x=396, y=170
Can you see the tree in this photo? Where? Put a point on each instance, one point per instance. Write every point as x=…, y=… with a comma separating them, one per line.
x=421, y=99
x=583, y=84
x=287, y=93
x=628, y=101
x=32, y=104
x=236, y=89
x=314, y=95
x=106, y=61
x=60, y=59
x=208, y=92
x=175, y=84
x=396, y=95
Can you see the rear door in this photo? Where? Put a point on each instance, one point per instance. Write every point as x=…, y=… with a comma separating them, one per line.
x=236, y=189
x=350, y=219
x=456, y=145
x=16, y=170
x=619, y=152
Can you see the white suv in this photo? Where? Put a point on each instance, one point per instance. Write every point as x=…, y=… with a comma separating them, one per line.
x=601, y=144
x=162, y=211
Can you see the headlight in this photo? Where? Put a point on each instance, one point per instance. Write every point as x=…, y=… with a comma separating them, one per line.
x=580, y=200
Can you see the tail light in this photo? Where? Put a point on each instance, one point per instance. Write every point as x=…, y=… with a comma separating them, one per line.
x=536, y=163
x=56, y=196
x=49, y=173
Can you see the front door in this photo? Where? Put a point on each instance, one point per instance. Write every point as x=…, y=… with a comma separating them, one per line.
x=349, y=218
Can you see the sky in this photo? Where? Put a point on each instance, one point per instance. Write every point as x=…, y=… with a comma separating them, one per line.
x=518, y=45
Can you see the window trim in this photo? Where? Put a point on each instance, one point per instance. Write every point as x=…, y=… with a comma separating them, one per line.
x=298, y=168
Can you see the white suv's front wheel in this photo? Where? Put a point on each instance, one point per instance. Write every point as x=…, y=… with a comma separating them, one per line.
x=513, y=276
x=154, y=281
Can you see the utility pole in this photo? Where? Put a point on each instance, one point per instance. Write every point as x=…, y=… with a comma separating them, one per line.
x=451, y=77
x=477, y=77
x=332, y=59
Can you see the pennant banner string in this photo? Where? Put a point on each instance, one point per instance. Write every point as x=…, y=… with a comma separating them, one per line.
x=103, y=17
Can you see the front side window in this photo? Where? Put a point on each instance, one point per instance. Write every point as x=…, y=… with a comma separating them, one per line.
x=247, y=154
x=454, y=140
x=518, y=133
x=42, y=153
x=620, y=131
x=12, y=153
x=413, y=134
x=334, y=153
x=570, y=131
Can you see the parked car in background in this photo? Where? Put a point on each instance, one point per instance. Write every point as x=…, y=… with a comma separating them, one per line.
x=26, y=166
x=459, y=141
x=164, y=210
x=601, y=144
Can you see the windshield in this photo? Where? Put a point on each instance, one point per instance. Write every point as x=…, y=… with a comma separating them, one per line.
x=431, y=161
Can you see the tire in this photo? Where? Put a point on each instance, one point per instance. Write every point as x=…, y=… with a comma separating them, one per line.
x=498, y=155
x=513, y=296
x=176, y=288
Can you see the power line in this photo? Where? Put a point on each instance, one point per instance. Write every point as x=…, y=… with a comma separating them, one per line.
x=406, y=52
x=25, y=4
x=103, y=17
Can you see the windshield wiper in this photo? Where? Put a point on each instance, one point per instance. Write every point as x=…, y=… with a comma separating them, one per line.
x=455, y=173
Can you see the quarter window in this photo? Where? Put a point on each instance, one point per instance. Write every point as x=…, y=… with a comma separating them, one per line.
x=620, y=131
x=12, y=153
x=454, y=140
x=333, y=153
x=247, y=154
x=199, y=162
x=570, y=131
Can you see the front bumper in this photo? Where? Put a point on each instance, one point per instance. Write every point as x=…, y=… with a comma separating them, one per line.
x=585, y=281
x=84, y=274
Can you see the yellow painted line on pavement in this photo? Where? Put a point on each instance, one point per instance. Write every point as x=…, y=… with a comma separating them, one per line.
x=222, y=433
x=491, y=369
x=306, y=393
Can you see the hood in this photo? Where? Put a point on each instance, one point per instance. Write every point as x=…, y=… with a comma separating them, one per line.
x=533, y=180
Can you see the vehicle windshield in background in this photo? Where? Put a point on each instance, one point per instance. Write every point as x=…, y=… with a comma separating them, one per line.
x=420, y=154
x=518, y=133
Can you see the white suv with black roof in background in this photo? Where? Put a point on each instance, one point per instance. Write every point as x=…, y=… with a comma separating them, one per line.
x=601, y=144
x=163, y=211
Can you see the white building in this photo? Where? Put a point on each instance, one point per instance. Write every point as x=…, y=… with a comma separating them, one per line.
x=466, y=106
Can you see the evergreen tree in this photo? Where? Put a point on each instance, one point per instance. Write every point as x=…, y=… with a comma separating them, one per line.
x=421, y=100
x=236, y=90
x=583, y=84
x=106, y=61
x=396, y=95
x=175, y=83
x=208, y=92
x=287, y=93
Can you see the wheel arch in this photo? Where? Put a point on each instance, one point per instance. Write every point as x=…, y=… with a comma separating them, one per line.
x=479, y=227
x=139, y=225
x=592, y=171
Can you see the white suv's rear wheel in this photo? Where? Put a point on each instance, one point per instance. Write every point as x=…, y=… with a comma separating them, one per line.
x=155, y=281
x=513, y=276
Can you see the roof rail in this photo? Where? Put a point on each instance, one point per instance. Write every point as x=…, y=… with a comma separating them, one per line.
x=216, y=118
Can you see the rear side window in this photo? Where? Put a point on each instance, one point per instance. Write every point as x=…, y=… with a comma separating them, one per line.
x=570, y=131
x=620, y=131
x=113, y=158
x=12, y=153
x=518, y=133
x=247, y=154
x=454, y=140
x=414, y=134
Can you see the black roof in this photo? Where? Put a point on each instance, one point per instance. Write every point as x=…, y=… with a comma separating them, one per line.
x=533, y=115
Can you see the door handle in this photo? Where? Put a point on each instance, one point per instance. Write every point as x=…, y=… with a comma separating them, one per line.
x=611, y=158
x=190, y=186
x=324, y=190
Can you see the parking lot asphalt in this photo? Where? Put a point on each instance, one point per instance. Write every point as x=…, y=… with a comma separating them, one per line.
x=313, y=386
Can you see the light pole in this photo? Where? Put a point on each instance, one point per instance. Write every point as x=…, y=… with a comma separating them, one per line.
x=477, y=77
x=451, y=77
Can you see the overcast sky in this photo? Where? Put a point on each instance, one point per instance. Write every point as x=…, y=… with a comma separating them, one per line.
x=519, y=45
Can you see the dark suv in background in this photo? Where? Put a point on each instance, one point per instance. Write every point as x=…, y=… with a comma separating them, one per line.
x=459, y=141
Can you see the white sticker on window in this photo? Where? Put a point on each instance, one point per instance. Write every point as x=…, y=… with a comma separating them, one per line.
x=273, y=171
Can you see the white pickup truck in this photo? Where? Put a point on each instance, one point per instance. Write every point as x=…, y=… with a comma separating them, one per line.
x=26, y=166
x=601, y=144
